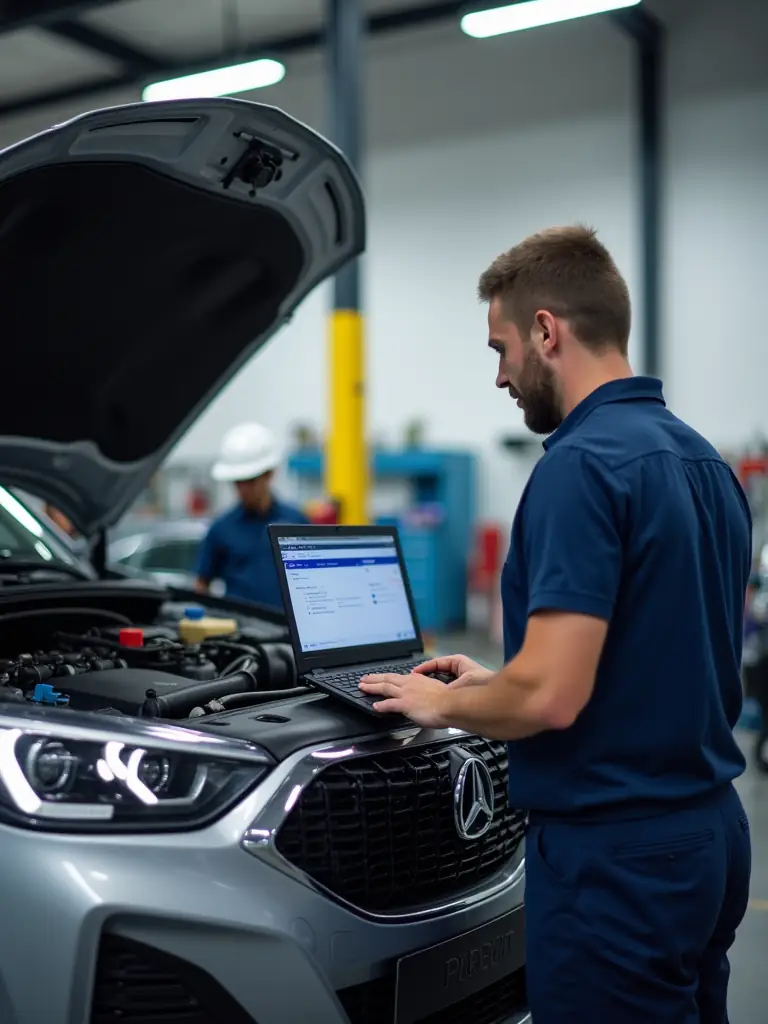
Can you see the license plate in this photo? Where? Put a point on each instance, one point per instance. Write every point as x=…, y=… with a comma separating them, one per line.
x=438, y=977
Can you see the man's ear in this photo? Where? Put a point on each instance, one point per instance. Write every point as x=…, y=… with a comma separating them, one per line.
x=546, y=333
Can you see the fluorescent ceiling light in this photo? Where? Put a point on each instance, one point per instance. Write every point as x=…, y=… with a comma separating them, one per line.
x=532, y=13
x=256, y=74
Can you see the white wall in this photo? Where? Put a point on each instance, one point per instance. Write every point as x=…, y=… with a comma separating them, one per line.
x=717, y=223
x=471, y=145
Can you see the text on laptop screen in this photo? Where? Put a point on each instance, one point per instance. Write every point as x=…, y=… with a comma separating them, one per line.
x=346, y=591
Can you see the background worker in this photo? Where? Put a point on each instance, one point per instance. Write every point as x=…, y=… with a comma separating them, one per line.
x=63, y=522
x=236, y=549
x=79, y=544
x=623, y=600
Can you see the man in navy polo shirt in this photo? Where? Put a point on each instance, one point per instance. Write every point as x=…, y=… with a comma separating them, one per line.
x=623, y=599
x=236, y=548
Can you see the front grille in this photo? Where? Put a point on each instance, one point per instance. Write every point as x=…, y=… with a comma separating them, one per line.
x=373, y=1002
x=379, y=831
x=138, y=984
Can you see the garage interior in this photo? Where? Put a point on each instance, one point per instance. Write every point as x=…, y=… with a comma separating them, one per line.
x=648, y=122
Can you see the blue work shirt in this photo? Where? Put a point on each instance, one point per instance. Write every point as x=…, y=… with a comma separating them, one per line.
x=237, y=551
x=633, y=517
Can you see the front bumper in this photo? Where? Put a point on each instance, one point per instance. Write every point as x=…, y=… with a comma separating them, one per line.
x=282, y=950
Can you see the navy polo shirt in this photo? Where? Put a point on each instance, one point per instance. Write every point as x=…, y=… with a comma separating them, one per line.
x=237, y=551
x=633, y=517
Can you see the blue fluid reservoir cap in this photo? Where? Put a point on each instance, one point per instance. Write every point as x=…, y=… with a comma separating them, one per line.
x=194, y=612
x=45, y=694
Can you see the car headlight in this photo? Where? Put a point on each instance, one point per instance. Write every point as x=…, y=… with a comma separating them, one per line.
x=75, y=777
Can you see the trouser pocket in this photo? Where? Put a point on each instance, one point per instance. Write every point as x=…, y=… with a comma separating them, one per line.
x=618, y=917
x=667, y=850
x=553, y=854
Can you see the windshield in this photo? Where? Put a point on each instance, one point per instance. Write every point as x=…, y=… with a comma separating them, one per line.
x=24, y=536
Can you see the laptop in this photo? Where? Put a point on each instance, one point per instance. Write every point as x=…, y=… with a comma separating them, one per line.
x=349, y=605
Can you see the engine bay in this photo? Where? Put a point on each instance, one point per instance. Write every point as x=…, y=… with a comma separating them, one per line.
x=114, y=647
x=94, y=659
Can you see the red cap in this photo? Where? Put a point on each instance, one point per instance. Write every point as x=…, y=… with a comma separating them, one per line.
x=131, y=638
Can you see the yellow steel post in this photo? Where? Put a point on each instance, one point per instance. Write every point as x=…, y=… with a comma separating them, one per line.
x=346, y=457
x=346, y=454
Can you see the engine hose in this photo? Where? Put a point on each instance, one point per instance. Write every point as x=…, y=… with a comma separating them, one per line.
x=247, y=700
x=277, y=666
x=248, y=662
x=243, y=652
x=180, y=702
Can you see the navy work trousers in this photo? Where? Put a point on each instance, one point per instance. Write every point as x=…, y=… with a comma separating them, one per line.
x=630, y=922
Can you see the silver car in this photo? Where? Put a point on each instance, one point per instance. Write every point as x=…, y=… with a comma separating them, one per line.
x=188, y=833
x=164, y=548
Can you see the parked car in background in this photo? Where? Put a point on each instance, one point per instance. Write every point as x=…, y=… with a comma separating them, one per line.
x=164, y=548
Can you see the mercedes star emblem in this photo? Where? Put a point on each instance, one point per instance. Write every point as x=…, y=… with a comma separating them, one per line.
x=473, y=799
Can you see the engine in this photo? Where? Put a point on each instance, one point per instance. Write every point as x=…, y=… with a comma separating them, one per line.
x=148, y=671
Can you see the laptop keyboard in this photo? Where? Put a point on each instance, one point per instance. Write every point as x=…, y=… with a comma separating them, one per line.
x=347, y=681
x=350, y=679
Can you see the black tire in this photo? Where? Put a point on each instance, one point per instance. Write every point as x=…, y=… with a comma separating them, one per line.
x=761, y=751
x=757, y=680
x=751, y=675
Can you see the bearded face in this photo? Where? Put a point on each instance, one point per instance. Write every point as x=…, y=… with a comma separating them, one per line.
x=524, y=374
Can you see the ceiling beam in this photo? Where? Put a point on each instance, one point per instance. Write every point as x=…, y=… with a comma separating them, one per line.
x=132, y=77
x=15, y=14
x=106, y=45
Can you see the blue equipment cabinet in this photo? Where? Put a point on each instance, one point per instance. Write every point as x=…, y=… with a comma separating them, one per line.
x=437, y=530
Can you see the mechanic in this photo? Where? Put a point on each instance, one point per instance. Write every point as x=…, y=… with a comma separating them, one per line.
x=236, y=548
x=623, y=598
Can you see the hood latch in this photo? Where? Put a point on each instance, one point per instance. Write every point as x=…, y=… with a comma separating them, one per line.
x=258, y=166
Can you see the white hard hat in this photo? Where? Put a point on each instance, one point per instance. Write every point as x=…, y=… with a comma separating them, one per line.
x=247, y=451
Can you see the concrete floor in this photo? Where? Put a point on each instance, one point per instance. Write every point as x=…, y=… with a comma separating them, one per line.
x=749, y=958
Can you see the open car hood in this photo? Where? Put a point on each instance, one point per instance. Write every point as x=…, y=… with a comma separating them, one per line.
x=146, y=252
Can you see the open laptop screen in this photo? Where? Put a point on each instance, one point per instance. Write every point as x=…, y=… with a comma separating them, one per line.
x=346, y=591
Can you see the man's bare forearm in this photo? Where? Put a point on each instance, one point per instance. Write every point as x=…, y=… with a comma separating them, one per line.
x=508, y=707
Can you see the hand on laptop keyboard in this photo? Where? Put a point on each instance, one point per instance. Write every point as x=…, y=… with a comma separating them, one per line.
x=422, y=699
x=349, y=680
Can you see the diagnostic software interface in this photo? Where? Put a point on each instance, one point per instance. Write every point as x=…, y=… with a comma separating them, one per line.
x=346, y=591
